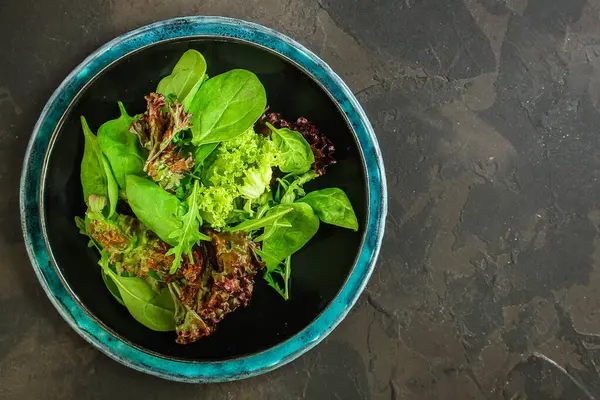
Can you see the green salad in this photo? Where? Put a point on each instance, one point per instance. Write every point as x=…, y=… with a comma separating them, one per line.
x=190, y=200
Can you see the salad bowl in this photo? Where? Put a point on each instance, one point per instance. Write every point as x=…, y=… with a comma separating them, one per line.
x=329, y=273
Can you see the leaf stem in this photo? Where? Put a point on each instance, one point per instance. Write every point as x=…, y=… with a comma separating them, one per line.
x=286, y=276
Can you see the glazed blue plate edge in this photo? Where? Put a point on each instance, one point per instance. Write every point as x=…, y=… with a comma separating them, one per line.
x=90, y=330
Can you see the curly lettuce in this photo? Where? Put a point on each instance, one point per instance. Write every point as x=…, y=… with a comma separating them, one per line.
x=240, y=168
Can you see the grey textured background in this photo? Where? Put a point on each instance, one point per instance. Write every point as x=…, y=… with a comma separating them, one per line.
x=488, y=284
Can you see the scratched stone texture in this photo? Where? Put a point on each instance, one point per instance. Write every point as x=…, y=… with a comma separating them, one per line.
x=488, y=116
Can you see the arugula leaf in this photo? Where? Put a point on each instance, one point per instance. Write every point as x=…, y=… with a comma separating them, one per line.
x=295, y=189
x=226, y=106
x=262, y=210
x=254, y=224
x=270, y=229
x=96, y=175
x=277, y=197
x=286, y=240
x=189, y=234
x=284, y=273
x=121, y=147
x=186, y=78
x=332, y=206
x=295, y=154
x=83, y=224
x=153, y=310
x=158, y=209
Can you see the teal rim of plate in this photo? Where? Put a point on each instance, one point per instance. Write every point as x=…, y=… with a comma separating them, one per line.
x=114, y=347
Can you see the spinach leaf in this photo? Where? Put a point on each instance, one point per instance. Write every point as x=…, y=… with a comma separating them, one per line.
x=286, y=240
x=96, y=175
x=226, y=106
x=189, y=234
x=93, y=177
x=112, y=287
x=151, y=309
x=158, y=209
x=189, y=98
x=294, y=153
x=113, y=188
x=154, y=310
x=254, y=224
x=122, y=148
x=201, y=153
x=186, y=78
x=332, y=206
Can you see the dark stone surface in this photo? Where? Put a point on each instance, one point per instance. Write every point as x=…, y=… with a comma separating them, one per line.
x=488, y=284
